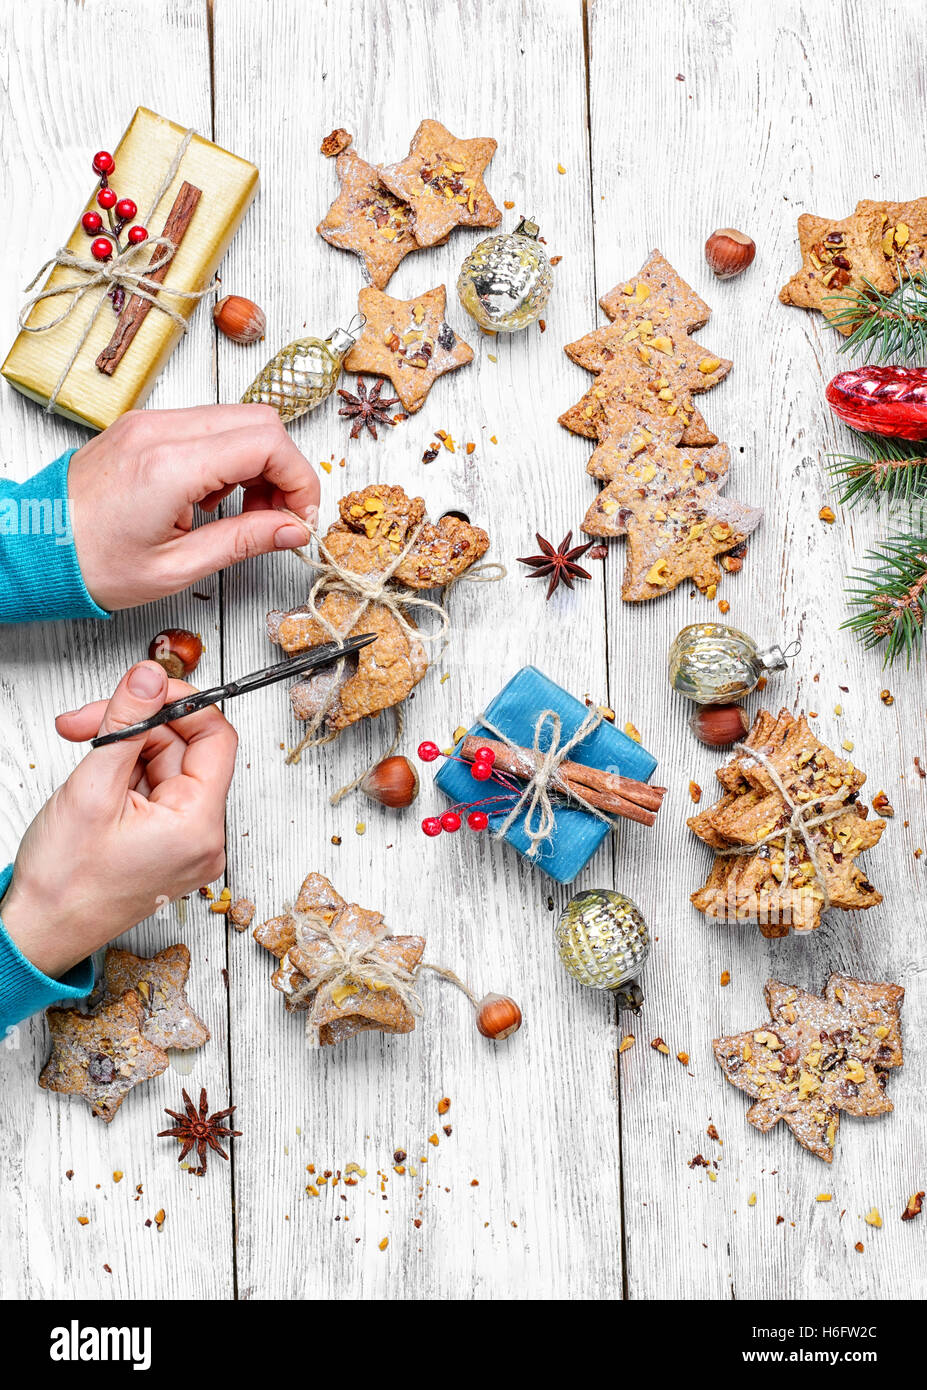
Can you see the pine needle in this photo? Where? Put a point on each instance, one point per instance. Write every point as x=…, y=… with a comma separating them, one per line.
x=885, y=326
x=891, y=597
x=886, y=470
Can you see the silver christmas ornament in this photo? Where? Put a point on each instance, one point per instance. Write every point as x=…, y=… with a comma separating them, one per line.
x=506, y=280
x=603, y=942
x=714, y=664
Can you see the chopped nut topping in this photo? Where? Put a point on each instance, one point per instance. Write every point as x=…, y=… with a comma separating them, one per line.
x=914, y=1207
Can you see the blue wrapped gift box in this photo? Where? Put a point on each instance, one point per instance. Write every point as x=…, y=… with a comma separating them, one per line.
x=515, y=711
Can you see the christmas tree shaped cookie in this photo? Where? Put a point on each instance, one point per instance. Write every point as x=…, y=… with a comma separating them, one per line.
x=787, y=831
x=666, y=500
x=819, y=1055
x=662, y=466
x=657, y=391
x=652, y=318
x=645, y=356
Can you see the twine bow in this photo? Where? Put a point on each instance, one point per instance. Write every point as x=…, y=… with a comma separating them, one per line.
x=348, y=962
x=372, y=588
x=542, y=774
x=803, y=818
x=120, y=272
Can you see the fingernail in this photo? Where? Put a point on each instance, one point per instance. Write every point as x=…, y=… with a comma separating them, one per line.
x=146, y=682
x=290, y=535
x=312, y=517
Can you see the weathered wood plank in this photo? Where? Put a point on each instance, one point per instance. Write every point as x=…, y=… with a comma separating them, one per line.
x=72, y=76
x=742, y=116
x=534, y=1121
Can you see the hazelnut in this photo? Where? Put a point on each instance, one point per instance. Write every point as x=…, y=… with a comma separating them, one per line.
x=728, y=252
x=498, y=1017
x=239, y=319
x=177, y=650
x=393, y=782
x=719, y=725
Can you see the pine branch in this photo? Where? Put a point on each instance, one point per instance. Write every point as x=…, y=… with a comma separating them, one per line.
x=886, y=327
x=890, y=470
x=892, y=597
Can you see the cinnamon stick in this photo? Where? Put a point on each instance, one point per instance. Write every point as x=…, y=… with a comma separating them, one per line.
x=609, y=784
x=616, y=805
x=135, y=312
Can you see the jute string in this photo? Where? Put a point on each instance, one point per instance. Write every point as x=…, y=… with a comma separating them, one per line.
x=541, y=771
x=120, y=272
x=350, y=961
x=803, y=819
x=372, y=588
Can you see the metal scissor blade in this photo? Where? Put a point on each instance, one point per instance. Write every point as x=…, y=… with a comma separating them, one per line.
x=314, y=660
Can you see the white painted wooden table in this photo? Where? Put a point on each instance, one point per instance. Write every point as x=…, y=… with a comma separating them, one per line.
x=668, y=121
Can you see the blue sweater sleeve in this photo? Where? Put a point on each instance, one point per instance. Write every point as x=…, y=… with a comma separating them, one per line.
x=24, y=990
x=39, y=574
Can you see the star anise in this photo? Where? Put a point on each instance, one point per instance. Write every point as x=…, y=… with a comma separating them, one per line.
x=199, y=1129
x=366, y=409
x=560, y=564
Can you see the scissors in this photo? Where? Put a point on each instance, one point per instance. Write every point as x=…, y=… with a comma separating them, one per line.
x=314, y=660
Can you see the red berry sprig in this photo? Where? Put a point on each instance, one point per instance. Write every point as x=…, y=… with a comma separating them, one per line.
x=119, y=211
x=481, y=770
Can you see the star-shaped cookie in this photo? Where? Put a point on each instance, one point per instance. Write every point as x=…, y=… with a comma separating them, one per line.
x=819, y=1055
x=839, y=257
x=340, y=1005
x=159, y=983
x=441, y=179
x=101, y=1056
x=408, y=341
x=369, y=220
x=904, y=234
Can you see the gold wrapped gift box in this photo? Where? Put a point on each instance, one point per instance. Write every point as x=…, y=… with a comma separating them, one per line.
x=143, y=157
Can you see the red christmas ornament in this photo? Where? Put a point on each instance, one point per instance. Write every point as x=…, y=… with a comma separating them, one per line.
x=91, y=222
x=137, y=234
x=484, y=755
x=477, y=820
x=126, y=209
x=428, y=751
x=431, y=825
x=101, y=249
x=481, y=770
x=450, y=822
x=889, y=401
x=103, y=163
x=106, y=198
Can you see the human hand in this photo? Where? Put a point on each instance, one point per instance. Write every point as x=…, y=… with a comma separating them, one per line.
x=136, y=823
x=133, y=488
